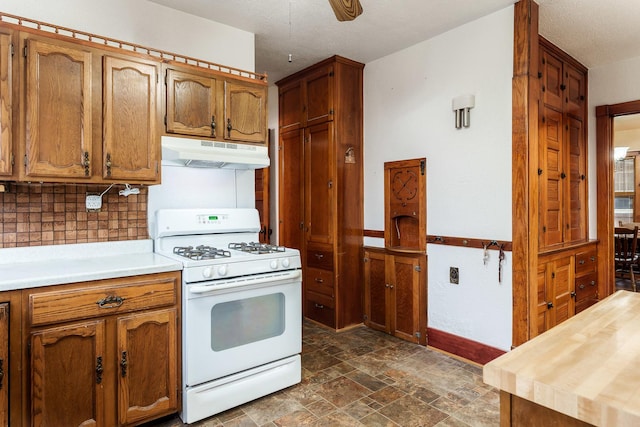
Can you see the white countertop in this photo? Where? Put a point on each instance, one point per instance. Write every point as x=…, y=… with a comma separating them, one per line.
x=34, y=266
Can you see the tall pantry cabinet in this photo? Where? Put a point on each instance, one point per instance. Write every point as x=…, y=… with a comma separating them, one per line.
x=321, y=185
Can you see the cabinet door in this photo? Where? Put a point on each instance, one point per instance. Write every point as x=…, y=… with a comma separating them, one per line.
x=131, y=146
x=551, y=175
x=576, y=186
x=552, y=80
x=4, y=364
x=67, y=364
x=191, y=104
x=318, y=95
x=543, y=314
x=291, y=185
x=290, y=106
x=404, y=283
x=376, y=291
x=575, y=91
x=6, y=141
x=58, y=110
x=319, y=185
x=245, y=112
x=148, y=371
x=563, y=282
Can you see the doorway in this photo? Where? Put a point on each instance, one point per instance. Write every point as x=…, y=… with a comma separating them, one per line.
x=605, y=115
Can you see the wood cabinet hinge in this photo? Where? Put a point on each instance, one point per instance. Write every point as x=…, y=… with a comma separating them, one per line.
x=418, y=334
x=25, y=160
x=365, y=259
x=12, y=49
x=24, y=52
x=422, y=167
x=12, y=160
x=165, y=119
x=331, y=73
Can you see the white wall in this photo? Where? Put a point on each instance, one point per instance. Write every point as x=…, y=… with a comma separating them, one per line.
x=147, y=24
x=408, y=114
x=608, y=84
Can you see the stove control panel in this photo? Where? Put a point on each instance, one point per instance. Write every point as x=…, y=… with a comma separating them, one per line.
x=212, y=219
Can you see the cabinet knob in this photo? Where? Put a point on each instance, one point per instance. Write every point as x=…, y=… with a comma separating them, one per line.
x=320, y=306
x=319, y=280
x=581, y=286
x=573, y=294
x=319, y=256
x=549, y=305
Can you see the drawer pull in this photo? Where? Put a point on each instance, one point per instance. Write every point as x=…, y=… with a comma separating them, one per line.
x=581, y=262
x=110, y=301
x=592, y=258
x=581, y=286
x=123, y=364
x=593, y=283
x=319, y=305
x=319, y=256
x=99, y=370
x=319, y=280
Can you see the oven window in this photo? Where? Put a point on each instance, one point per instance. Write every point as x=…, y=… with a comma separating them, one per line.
x=244, y=321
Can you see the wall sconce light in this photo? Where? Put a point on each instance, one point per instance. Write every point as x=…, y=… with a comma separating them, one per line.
x=461, y=106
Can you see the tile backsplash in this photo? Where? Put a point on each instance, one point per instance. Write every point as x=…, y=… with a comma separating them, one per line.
x=55, y=214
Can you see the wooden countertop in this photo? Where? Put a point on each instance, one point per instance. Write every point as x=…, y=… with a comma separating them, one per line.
x=588, y=367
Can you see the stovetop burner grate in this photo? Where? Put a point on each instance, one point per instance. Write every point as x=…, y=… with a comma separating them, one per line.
x=256, y=248
x=201, y=252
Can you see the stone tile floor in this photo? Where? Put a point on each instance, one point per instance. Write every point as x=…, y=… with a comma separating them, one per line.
x=362, y=377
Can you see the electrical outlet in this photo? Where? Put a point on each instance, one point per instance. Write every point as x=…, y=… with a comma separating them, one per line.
x=454, y=276
x=93, y=202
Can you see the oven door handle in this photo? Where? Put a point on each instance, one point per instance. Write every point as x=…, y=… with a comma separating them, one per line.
x=244, y=281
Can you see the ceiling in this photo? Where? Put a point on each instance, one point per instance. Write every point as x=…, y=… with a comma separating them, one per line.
x=595, y=32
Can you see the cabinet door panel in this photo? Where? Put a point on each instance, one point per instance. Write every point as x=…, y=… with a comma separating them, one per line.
x=319, y=96
x=551, y=178
x=563, y=284
x=552, y=80
x=290, y=106
x=319, y=183
x=6, y=140
x=543, y=298
x=406, y=294
x=291, y=184
x=4, y=364
x=131, y=144
x=147, y=354
x=191, y=104
x=376, y=292
x=577, y=185
x=66, y=381
x=245, y=112
x=58, y=110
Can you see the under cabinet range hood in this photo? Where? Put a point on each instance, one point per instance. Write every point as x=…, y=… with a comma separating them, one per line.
x=198, y=153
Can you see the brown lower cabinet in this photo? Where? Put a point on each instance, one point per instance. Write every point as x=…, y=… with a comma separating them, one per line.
x=396, y=294
x=4, y=364
x=101, y=353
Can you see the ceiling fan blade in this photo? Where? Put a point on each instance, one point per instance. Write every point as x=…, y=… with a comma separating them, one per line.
x=346, y=10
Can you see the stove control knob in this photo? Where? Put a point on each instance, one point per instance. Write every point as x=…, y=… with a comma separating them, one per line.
x=222, y=270
x=207, y=273
x=285, y=263
x=273, y=264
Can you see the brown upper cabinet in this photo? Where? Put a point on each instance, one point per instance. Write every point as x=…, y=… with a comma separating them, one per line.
x=208, y=104
x=87, y=115
x=6, y=91
x=562, y=168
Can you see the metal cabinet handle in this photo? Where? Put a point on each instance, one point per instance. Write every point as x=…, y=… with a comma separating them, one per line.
x=123, y=364
x=108, y=164
x=110, y=301
x=593, y=283
x=549, y=305
x=581, y=286
x=229, y=127
x=213, y=126
x=319, y=305
x=318, y=280
x=319, y=256
x=86, y=163
x=581, y=262
x=573, y=294
x=99, y=370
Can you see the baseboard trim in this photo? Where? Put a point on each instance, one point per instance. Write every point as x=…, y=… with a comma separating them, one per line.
x=463, y=347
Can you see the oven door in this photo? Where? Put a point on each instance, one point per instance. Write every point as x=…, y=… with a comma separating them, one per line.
x=236, y=324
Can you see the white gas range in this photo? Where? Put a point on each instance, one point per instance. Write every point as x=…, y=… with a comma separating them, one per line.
x=241, y=308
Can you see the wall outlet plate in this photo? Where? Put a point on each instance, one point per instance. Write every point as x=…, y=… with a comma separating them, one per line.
x=93, y=202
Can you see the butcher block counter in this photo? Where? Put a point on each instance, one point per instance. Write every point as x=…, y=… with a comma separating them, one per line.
x=585, y=371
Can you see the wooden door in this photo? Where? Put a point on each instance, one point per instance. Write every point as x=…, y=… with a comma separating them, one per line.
x=291, y=189
x=131, y=145
x=319, y=183
x=404, y=283
x=59, y=120
x=245, y=112
x=4, y=364
x=67, y=366
x=318, y=95
x=376, y=291
x=6, y=141
x=148, y=369
x=191, y=104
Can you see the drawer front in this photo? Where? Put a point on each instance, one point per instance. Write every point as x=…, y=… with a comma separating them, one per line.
x=320, y=281
x=320, y=308
x=320, y=258
x=586, y=261
x=586, y=287
x=583, y=305
x=103, y=299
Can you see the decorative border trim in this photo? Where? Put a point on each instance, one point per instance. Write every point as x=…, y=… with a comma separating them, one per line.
x=463, y=347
